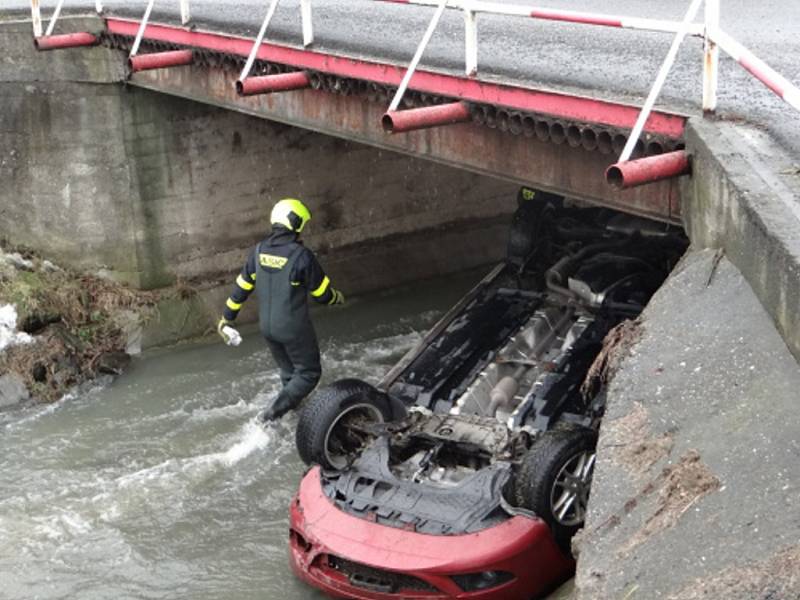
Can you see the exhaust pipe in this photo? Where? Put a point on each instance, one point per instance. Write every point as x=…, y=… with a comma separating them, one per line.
x=160, y=60
x=633, y=173
x=67, y=40
x=423, y=118
x=268, y=84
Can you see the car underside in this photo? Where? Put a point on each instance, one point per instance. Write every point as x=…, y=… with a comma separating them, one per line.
x=493, y=417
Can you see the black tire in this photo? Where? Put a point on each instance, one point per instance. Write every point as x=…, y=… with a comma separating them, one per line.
x=323, y=436
x=546, y=480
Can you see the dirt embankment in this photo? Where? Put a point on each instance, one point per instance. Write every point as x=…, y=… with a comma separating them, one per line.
x=78, y=327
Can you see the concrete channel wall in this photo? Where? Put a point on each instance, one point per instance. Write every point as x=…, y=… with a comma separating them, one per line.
x=744, y=199
x=155, y=189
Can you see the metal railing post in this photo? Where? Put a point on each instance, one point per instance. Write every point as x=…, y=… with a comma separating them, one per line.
x=36, y=18
x=260, y=38
x=415, y=61
x=308, y=26
x=470, y=42
x=185, y=14
x=52, y=24
x=139, y=34
x=659, y=82
x=711, y=58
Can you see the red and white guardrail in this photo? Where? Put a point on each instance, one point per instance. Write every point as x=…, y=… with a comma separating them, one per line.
x=565, y=16
x=789, y=92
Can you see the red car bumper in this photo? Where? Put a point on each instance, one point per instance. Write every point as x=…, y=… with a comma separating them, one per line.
x=350, y=557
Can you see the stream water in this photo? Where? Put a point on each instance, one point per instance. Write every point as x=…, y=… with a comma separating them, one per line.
x=161, y=484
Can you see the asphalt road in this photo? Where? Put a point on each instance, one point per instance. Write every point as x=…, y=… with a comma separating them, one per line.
x=595, y=61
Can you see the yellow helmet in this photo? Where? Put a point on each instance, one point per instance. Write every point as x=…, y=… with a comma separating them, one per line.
x=290, y=213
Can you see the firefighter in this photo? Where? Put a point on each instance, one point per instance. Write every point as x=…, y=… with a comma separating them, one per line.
x=283, y=273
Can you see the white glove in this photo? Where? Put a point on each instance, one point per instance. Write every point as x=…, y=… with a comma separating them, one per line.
x=231, y=336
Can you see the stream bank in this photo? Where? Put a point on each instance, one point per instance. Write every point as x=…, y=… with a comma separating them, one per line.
x=62, y=328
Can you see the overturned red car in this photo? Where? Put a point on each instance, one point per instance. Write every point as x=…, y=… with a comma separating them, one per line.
x=466, y=471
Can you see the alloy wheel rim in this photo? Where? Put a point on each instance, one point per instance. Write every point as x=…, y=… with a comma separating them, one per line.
x=570, y=493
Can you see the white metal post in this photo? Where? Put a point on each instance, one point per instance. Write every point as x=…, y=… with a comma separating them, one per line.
x=308, y=26
x=660, y=79
x=139, y=34
x=52, y=24
x=98, y=6
x=36, y=18
x=185, y=14
x=415, y=61
x=257, y=44
x=711, y=60
x=470, y=42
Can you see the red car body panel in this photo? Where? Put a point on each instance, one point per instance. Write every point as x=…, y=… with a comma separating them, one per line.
x=520, y=545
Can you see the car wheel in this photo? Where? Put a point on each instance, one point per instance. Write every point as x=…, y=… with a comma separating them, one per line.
x=330, y=429
x=555, y=478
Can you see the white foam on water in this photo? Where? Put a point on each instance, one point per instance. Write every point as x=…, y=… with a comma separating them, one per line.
x=41, y=411
x=238, y=409
x=9, y=336
x=254, y=437
x=249, y=438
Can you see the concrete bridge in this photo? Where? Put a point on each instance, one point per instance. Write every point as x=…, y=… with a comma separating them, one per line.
x=165, y=175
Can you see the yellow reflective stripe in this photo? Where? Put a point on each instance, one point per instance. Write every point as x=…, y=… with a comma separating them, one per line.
x=233, y=305
x=295, y=283
x=242, y=283
x=322, y=288
x=334, y=297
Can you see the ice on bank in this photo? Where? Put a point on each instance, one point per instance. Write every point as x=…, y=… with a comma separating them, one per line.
x=9, y=336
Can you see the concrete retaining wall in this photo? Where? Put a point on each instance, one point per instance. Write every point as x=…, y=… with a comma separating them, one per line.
x=744, y=197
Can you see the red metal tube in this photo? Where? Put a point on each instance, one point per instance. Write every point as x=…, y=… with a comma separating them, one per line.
x=283, y=82
x=633, y=173
x=398, y=121
x=160, y=60
x=67, y=40
x=556, y=106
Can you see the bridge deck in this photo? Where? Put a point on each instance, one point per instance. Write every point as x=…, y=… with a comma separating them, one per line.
x=617, y=65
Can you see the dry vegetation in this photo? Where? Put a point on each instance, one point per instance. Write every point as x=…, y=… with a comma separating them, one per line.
x=74, y=319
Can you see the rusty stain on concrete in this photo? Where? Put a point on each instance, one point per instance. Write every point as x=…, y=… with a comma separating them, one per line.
x=679, y=487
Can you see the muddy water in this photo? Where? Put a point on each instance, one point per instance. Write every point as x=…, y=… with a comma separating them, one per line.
x=162, y=485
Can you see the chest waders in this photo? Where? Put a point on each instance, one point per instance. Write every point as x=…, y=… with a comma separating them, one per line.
x=286, y=326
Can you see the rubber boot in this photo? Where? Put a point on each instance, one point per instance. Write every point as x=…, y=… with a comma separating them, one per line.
x=279, y=407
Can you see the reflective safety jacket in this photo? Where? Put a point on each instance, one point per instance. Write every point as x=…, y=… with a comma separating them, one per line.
x=283, y=272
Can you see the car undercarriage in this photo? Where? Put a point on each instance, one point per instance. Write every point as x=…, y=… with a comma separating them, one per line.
x=495, y=413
